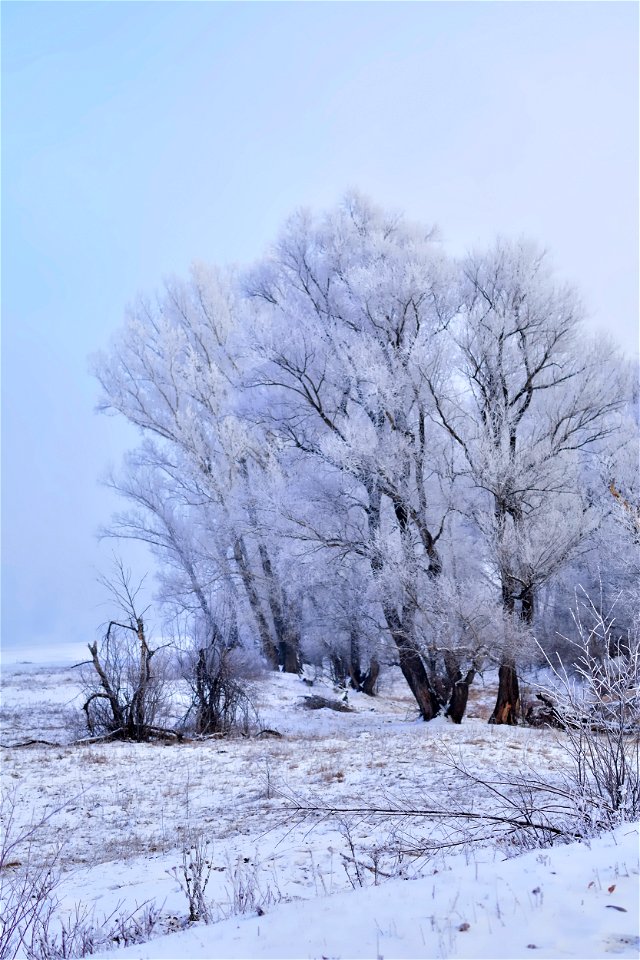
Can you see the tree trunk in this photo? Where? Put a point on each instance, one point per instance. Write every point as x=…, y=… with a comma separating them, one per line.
x=412, y=666
x=140, y=705
x=269, y=651
x=287, y=641
x=109, y=693
x=287, y=638
x=459, y=696
x=339, y=669
x=416, y=676
x=507, y=705
x=528, y=605
x=203, y=717
x=368, y=682
x=355, y=673
x=364, y=682
x=289, y=650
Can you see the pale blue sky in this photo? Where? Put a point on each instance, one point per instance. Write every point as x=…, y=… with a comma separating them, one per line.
x=139, y=136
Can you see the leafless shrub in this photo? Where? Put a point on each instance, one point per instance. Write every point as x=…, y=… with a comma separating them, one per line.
x=367, y=865
x=597, y=708
x=511, y=815
x=247, y=890
x=81, y=933
x=27, y=887
x=125, y=680
x=31, y=922
x=221, y=702
x=193, y=876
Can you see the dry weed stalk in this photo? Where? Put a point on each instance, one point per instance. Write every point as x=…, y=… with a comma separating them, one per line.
x=193, y=877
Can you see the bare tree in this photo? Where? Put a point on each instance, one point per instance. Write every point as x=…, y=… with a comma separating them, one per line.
x=124, y=691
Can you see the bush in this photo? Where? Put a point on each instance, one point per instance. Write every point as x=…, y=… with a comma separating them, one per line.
x=220, y=702
x=27, y=889
x=598, y=709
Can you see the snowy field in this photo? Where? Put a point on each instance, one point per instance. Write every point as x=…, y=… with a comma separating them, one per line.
x=309, y=882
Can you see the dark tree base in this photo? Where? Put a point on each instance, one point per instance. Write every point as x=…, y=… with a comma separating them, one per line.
x=459, y=697
x=507, y=708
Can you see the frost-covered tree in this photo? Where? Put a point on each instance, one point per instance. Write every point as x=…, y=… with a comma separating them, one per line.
x=529, y=397
x=363, y=450
x=351, y=311
x=609, y=571
x=173, y=373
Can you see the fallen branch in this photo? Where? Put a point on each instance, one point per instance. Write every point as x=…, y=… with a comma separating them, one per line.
x=101, y=738
x=160, y=733
x=31, y=743
x=514, y=822
x=318, y=703
x=372, y=868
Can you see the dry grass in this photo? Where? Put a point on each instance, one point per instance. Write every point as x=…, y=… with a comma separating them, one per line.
x=128, y=800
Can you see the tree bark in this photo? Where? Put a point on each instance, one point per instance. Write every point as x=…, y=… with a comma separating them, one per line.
x=368, y=683
x=507, y=708
x=269, y=651
x=287, y=641
x=507, y=705
x=289, y=649
x=355, y=673
x=411, y=665
x=528, y=605
x=139, y=706
x=364, y=682
x=109, y=693
x=459, y=696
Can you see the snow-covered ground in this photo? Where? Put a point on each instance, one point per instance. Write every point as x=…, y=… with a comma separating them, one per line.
x=314, y=884
x=572, y=901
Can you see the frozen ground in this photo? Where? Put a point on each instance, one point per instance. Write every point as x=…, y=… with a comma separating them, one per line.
x=122, y=813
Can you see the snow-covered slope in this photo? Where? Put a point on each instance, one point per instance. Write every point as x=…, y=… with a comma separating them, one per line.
x=577, y=901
